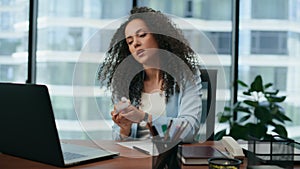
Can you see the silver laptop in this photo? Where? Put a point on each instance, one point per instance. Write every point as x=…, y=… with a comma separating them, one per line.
x=28, y=129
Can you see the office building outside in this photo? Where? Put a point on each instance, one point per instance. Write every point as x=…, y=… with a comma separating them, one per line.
x=269, y=44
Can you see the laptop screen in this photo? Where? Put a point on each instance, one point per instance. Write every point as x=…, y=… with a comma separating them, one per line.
x=27, y=124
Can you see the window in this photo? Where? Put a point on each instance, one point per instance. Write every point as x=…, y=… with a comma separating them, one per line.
x=174, y=7
x=214, y=9
x=276, y=75
x=269, y=42
x=13, y=41
x=273, y=51
x=221, y=41
x=66, y=27
x=204, y=39
x=270, y=9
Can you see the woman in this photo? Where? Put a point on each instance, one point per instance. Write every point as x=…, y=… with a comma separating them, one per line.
x=150, y=63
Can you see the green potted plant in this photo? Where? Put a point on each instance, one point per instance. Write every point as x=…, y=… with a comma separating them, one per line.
x=259, y=110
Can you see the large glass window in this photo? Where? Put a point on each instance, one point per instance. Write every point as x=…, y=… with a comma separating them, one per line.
x=65, y=26
x=62, y=46
x=269, y=44
x=207, y=26
x=13, y=40
x=272, y=50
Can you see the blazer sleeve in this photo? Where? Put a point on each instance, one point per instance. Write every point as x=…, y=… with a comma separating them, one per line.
x=185, y=106
x=116, y=132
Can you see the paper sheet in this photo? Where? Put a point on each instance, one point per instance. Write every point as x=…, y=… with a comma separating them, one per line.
x=145, y=146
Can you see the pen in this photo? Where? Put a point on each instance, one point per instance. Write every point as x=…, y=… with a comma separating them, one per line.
x=164, y=128
x=152, y=129
x=181, y=130
x=168, y=130
x=141, y=150
x=176, y=131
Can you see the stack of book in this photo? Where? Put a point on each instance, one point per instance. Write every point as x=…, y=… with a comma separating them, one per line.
x=197, y=155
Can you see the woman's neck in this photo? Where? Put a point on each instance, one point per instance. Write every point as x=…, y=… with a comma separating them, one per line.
x=152, y=74
x=153, y=80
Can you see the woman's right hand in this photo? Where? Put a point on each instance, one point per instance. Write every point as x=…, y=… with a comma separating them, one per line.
x=122, y=122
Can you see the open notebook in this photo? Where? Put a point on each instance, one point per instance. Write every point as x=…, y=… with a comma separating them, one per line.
x=28, y=129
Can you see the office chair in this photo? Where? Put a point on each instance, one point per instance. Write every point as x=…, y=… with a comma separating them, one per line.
x=209, y=88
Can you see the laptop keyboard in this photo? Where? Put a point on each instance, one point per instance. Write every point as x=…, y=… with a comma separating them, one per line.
x=71, y=156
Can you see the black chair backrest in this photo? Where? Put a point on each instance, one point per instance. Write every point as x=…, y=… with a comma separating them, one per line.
x=209, y=87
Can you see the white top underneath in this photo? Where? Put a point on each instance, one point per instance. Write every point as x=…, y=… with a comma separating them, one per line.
x=152, y=103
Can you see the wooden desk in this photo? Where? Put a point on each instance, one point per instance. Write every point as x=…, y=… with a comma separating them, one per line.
x=128, y=159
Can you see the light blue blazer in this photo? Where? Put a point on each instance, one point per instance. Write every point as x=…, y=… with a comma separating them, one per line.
x=183, y=106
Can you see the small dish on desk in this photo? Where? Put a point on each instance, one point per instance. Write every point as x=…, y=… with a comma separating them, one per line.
x=224, y=163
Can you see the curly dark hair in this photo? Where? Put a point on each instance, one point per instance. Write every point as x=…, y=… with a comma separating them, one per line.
x=120, y=69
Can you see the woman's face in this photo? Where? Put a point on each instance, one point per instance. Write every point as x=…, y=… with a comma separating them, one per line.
x=142, y=44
